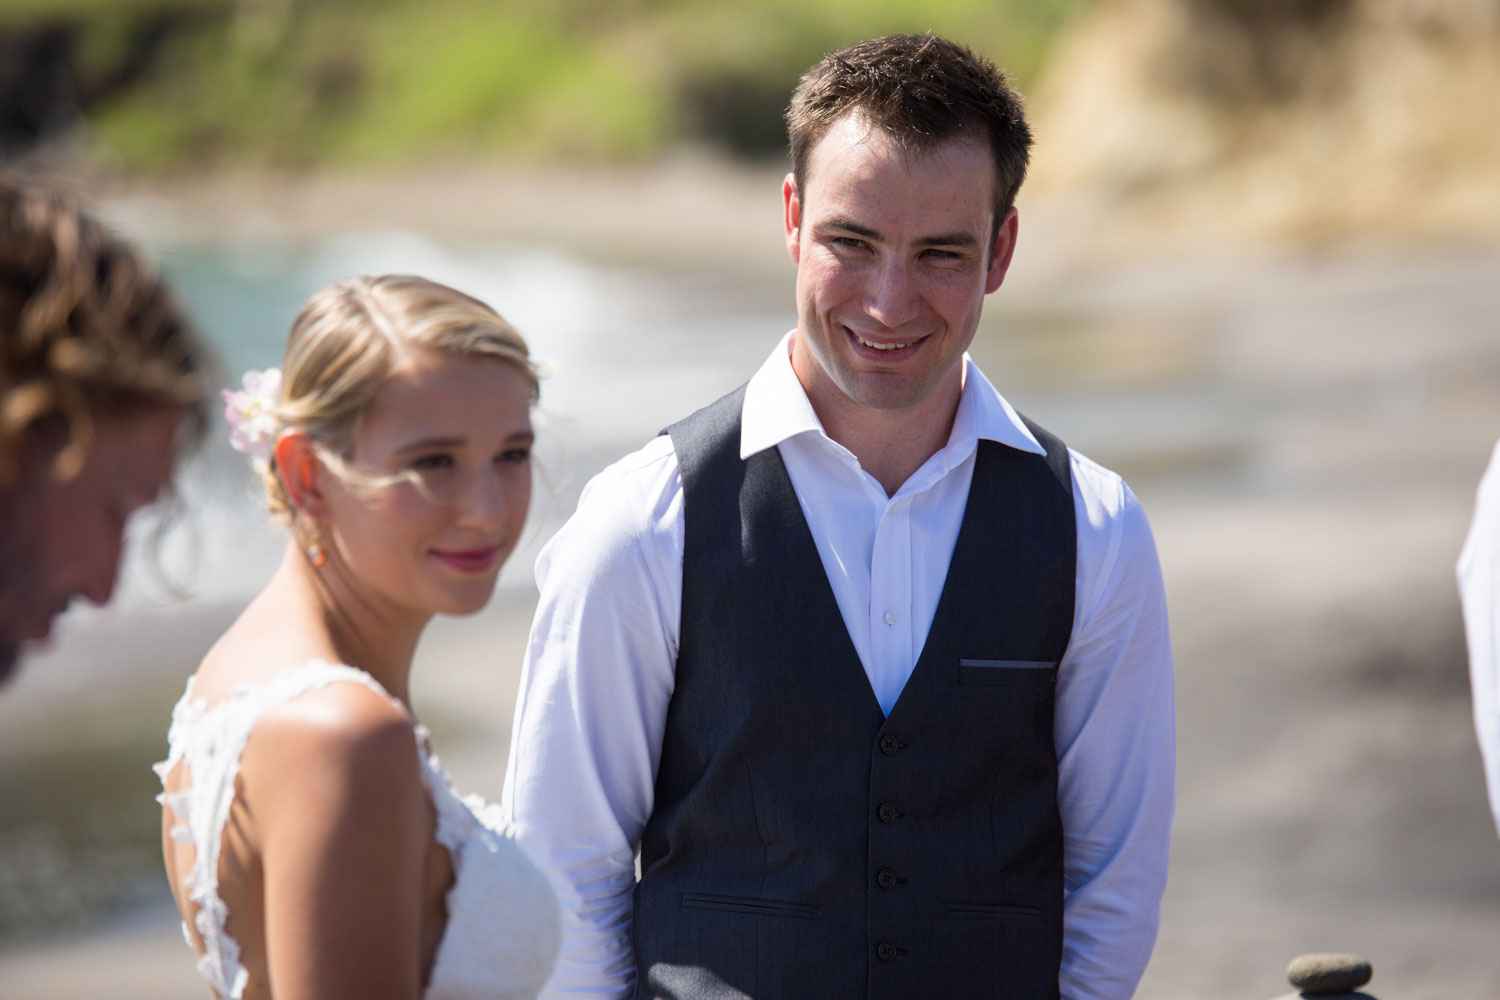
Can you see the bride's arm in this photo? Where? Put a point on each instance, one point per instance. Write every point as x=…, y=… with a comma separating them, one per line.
x=341, y=817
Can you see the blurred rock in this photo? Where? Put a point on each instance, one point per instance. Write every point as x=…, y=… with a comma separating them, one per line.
x=1328, y=975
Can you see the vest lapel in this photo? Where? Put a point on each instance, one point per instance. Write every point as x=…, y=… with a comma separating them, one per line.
x=776, y=519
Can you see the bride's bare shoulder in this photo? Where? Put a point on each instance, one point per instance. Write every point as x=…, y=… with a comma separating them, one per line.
x=342, y=749
x=339, y=741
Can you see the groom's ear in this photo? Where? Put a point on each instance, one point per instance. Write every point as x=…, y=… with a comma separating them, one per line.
x=301, y=473
x=791, y=217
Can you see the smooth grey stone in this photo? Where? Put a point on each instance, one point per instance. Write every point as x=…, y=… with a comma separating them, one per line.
x=1328, y=975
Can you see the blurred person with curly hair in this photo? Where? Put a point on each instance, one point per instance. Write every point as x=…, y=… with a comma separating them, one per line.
x=101, y=392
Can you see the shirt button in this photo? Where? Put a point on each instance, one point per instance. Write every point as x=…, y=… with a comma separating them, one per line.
x=886, y=879
x=892, y=617
x=886, y=812
x=886, y=951
x=889, y=744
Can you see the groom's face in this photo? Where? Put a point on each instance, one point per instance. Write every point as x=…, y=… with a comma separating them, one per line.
x=895, y=253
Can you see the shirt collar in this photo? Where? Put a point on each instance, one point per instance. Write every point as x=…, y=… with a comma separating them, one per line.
x=777, y=408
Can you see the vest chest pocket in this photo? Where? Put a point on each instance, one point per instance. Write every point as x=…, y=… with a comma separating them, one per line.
x=1008, y=673
x=748, y=904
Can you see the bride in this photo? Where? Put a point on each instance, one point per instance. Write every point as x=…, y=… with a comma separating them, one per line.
x=313, y=845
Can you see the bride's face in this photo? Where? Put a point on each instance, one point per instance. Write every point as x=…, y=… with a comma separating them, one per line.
x=459, y=430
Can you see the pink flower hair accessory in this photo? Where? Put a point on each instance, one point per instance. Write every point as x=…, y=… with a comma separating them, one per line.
x=251, y=414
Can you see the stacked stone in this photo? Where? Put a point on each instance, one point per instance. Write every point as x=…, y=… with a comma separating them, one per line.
x=1328, y=977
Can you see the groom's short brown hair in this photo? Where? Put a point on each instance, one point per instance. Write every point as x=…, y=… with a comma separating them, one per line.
x=921, y=91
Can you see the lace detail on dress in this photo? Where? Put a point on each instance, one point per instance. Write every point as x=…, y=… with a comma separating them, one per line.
x=211, y=739
x=503, y=927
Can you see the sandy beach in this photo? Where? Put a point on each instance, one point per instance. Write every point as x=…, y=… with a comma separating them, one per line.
x=1304, y=425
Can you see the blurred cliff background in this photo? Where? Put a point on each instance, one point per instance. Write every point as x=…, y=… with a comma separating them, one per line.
x=1259, y=275
x=1308, y=115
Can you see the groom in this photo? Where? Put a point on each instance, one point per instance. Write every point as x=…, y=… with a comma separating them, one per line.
x=872, y=671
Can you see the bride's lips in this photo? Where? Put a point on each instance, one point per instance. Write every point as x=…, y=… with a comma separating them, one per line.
x=888, y=350
x=468, y=560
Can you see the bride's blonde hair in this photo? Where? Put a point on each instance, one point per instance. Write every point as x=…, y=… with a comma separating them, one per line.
x=348, y=340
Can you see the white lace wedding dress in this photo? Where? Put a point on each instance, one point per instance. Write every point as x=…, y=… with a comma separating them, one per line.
x=503, y=927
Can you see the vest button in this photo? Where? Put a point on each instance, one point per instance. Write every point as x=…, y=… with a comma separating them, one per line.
x=889, y=744
x=886, y=812
x=886, y=951
x=885, y=878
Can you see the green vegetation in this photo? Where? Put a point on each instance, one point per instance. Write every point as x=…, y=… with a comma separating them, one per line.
x=175, y=84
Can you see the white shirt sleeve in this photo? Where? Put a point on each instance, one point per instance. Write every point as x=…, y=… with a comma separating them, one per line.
x=595, y=687
x=1479, y=588
x=1116, y=745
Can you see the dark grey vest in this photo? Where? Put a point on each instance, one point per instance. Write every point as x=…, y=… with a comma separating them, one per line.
x=804, y=846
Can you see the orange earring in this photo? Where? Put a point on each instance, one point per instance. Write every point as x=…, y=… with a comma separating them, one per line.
x=316, y=554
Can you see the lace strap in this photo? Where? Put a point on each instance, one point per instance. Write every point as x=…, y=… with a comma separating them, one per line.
x=211, y=739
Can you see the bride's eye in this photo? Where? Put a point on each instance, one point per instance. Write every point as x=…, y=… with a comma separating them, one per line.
x=433, y=463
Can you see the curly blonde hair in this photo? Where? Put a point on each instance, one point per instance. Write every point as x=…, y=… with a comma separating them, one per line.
x=352, y=336
x=87, y=330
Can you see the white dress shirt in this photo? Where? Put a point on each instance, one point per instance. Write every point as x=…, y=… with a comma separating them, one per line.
x=600, y=668
x=1479, y=587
